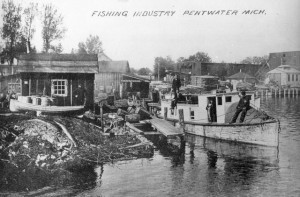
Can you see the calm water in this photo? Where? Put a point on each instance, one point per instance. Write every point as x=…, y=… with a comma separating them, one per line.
x=205, y=167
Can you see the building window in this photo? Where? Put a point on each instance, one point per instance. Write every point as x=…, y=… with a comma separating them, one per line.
x=296, y=77
x=288, y=77
x=219, y=100
x=228, y=99
x=292, y=77
x=192, y=114
x=59, y=87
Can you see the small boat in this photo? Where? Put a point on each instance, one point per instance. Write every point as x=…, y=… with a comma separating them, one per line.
x=16, y=106
x=257, y=128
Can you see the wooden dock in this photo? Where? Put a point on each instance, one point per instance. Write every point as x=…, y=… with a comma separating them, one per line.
x=165, y=127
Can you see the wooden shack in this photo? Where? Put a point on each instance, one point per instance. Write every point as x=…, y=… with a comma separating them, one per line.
x=109, y=77
x=135, y=84
x=58, y=76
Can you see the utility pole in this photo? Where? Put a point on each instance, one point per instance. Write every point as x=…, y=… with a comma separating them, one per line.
x=158, y=71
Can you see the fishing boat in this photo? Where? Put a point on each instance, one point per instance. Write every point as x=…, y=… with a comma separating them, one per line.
x=20, y=105
x=190, y=114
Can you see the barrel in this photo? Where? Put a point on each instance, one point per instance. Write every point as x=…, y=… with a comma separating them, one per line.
x=132, y=118
x=44, y=101
x=28, y=99
x=36, y=100
x=33, y=98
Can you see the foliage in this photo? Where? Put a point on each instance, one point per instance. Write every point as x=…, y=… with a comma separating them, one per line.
x=57, y=49
x=52, y=24
x=81, y=48
x=28, y=29
x=255, y=60
x=92, y=45
x=163, y=64
x=144, y=71
x=11, y=29
x=198, y=57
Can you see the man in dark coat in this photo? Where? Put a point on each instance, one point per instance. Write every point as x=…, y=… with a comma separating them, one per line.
x=176, y=85
x=80, y=95
x=243, y=106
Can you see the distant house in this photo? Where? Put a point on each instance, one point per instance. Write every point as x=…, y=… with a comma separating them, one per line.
x=109, y=76
x=284, y=75
x=241, y=77
x=58, y=75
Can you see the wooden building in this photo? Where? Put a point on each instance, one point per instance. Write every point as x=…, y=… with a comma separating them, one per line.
x=284, y=75
x=58, y=76
x=109, y=77
x=135, y=84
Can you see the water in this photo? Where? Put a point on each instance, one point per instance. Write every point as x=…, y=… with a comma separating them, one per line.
x=204, y=167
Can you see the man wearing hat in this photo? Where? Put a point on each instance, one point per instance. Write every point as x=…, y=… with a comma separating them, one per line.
x=243, y=106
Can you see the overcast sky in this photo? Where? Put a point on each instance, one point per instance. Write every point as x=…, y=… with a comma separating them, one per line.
x=228, y=36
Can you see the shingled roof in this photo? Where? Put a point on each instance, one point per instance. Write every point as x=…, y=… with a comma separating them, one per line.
x=58, y=63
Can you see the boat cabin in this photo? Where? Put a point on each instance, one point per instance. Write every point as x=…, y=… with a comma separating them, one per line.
x=194, y=106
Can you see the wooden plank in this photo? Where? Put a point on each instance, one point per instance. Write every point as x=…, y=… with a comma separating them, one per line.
x=166, y=128
x=132, y=127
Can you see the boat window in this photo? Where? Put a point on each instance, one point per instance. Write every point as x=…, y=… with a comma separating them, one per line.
x=59, y=87
x=228, y=99
x=192, y=114
x=219, y=100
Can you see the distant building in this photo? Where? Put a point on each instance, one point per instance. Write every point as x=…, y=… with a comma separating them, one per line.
x=291, y=58
x=241, y=77
x=221, y=70
x=284, y=75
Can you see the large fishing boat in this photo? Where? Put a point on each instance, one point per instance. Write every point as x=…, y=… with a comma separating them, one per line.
x=257, y=128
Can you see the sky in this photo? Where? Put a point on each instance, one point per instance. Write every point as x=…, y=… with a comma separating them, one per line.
x=229, y=35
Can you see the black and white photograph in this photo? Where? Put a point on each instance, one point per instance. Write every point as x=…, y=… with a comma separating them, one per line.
x=136, y=98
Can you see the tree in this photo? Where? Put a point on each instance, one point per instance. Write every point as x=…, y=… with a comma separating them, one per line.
x=92, y=45
x=11, y=29
x=81, y=48
x=255, y=60
x=199, y=57
x=52, y=26
x=163, y=64
x=144, y=71
x=57, y=49
x=28, y=29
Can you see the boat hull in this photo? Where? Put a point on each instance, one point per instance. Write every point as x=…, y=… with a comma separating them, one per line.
x=16, y=106
x=264, y=133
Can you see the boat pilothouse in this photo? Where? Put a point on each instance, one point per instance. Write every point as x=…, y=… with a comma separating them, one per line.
x=195, y=106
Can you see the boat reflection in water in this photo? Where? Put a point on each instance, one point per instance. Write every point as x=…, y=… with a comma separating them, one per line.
x=233, y=150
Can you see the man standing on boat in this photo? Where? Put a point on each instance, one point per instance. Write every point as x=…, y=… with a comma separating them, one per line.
x=176, y=85
x=243, y=106
x=80, y=95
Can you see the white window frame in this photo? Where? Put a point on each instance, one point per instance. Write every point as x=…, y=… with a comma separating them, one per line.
x=63, y=85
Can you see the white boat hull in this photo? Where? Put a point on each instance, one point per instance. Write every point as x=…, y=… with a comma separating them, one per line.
x=16, y=106
x=265, y=133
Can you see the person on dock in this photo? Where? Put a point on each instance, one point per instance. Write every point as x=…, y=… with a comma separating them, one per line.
x=243, y=106
x=80, y=95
